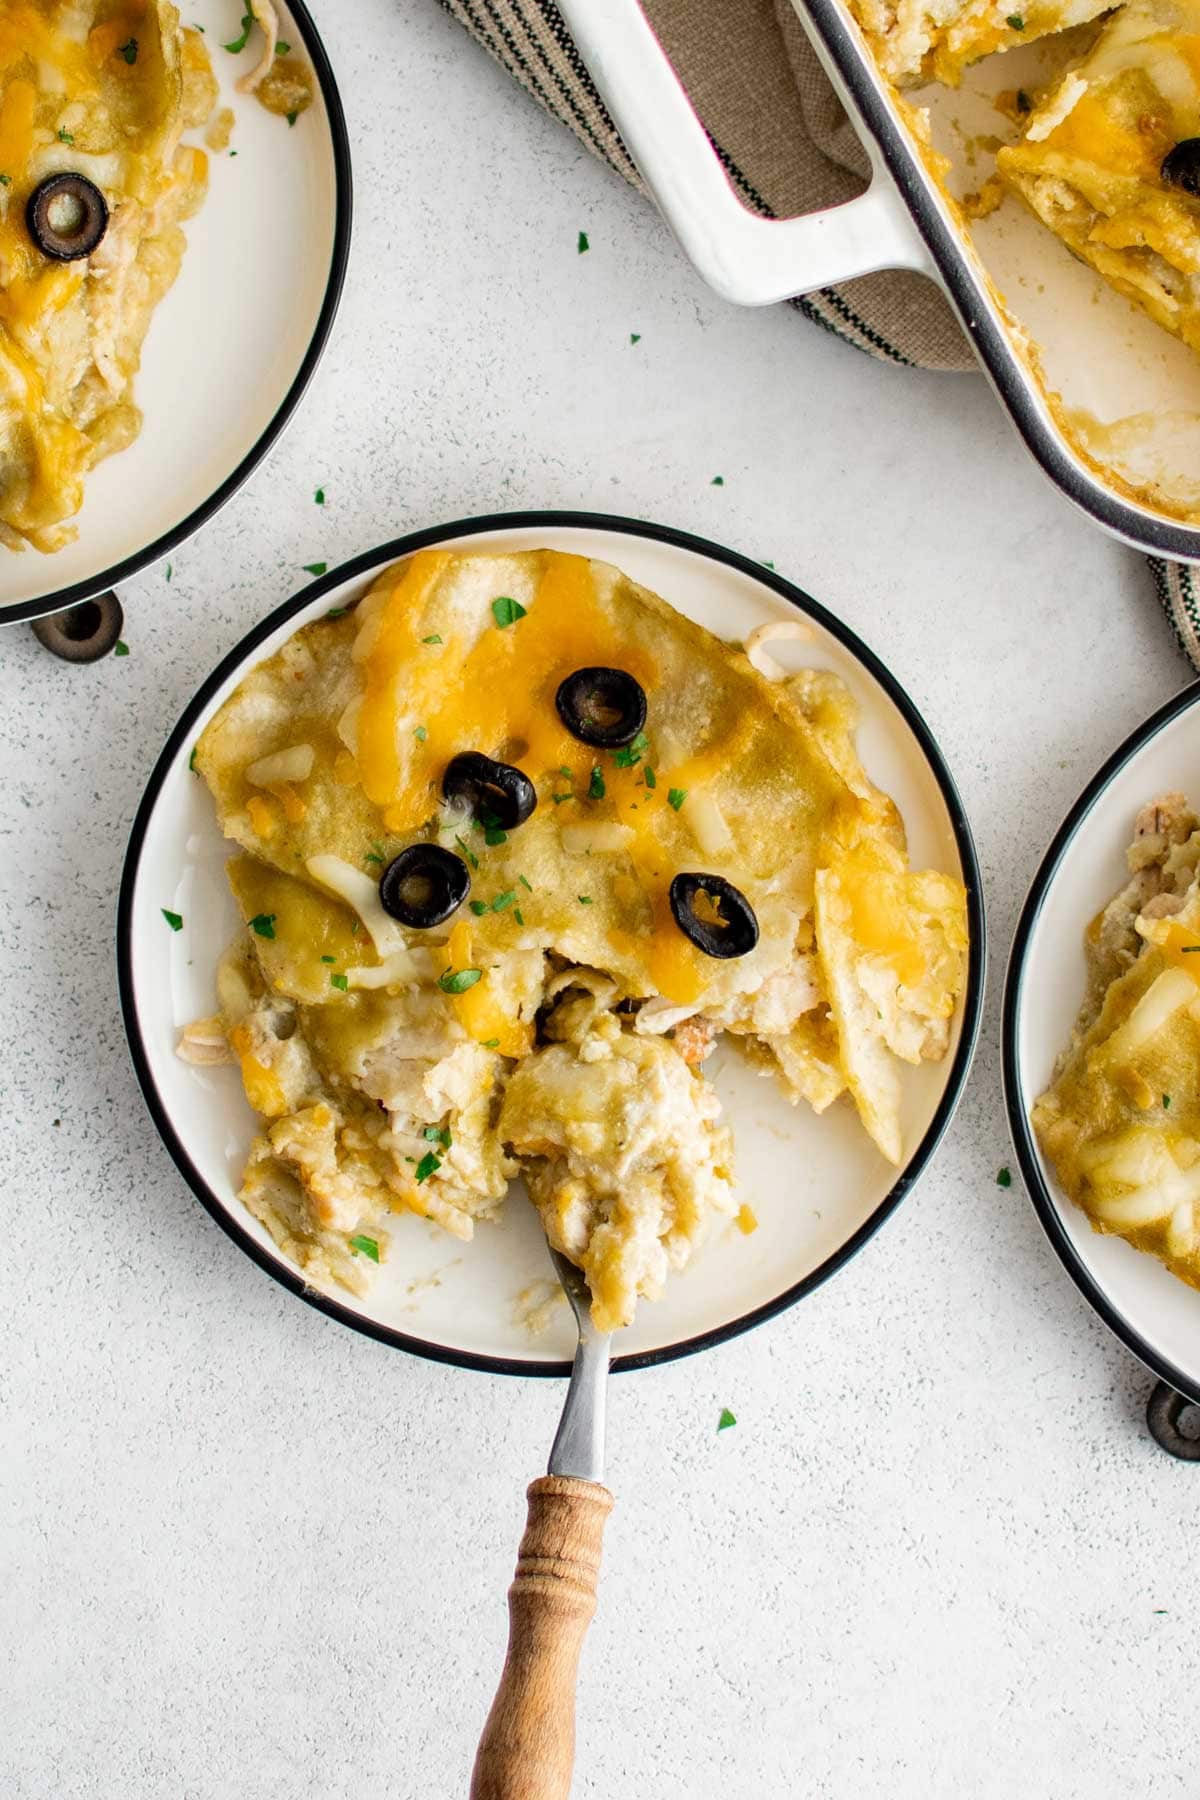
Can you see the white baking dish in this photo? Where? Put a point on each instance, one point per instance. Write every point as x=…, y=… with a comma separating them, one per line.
x=1129, y=452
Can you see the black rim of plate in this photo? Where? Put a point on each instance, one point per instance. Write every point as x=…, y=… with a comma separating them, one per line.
x=1047, y=1207
x=180, y=742
x=79, y=591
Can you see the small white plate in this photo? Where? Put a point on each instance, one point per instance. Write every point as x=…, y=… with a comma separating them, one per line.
x=232, y=346
x=818, y=1186
x=1153, y=1313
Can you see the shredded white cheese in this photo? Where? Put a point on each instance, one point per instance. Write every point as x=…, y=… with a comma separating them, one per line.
x=360, y=892
x=581, y=840
x=763, y=634
x=1052, y=114
x=282, y=765
x=707, y=822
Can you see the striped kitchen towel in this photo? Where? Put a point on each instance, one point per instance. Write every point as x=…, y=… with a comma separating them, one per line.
x=787, y=146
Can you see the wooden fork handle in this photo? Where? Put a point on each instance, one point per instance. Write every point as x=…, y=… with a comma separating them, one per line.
x=527, y=1750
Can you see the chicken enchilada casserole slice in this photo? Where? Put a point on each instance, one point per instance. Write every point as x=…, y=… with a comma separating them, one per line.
x=517, y=843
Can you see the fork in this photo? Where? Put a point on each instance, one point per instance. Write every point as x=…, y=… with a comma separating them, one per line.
x=527, y=1750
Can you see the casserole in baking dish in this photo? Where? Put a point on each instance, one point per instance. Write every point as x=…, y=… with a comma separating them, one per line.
x=1103, y=398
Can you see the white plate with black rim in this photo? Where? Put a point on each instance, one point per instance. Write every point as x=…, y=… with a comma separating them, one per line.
x=1153, y=1313
x=818, y=1185
x=232, y=346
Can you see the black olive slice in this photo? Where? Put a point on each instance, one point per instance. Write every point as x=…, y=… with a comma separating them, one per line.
x=83, y=633
x=733, y=933
x=495, y=789
x=67, y=215
x=1181, y=166
x=604, y=707
x=423, y=885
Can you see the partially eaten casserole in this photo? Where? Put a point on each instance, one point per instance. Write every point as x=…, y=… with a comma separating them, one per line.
x=935, y=40
x=1110, y=160
x=1120, y=1124
x=94, y=184
x=517, y=842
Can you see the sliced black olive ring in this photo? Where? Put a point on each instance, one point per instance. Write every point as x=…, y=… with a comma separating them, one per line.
x=603, y=707
x=495, y=788
x=734, y=932
x=67, y=215
x=424, y=885
x=84, y=633
x=1181, y=166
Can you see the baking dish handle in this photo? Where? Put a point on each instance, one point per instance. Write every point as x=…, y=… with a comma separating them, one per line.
x=749, y=260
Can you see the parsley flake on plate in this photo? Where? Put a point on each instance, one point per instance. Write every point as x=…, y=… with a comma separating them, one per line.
x=506, y=611
x=717, y=481
x=263, y=925
x=584, y=899
x=596, y=787
x=1166, y=1100
x=428, y=1165
x=503, y=900
x=491, y=1043
x=433, y=638
x=64, y=137
x=365, y=1246
x=337, y=612
x=319, y=497
x=651, y=777
x=314, y=568
x=559, y=798
x=726, y=1419
x=479, y=907
x=581, y=243
x=518, y=915
x=467, y=851
x=1004, y=1177
x=282, y=47
x=493, y=835
x=169, y=571
x=1015, y=21
x=635, y=337
x=340, y=982
x=128, y=50
x=174, y=920
x=5, y=180
x=676, y=797
x=192, y=760
x=329, y=959
x=437, y=1134
x=457, y=981
x=120, y=648
x=525, y=884
x=239, y=43
x=420, y=734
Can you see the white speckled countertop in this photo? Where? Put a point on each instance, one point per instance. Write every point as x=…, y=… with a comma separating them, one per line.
x=246, y=1553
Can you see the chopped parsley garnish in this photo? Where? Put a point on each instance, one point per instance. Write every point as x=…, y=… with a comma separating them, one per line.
x=676, y=797
x=491, y=1043
x=239, y=43
x=365, y=1246
x=596, y=787
x=630, y=754
x=457, y=981
x=467, y=852
x=437, y=1134
x=120, y=648
x=478, y=907
x=128, y=50
x=504, y=900
x=374, y=854
x=5, y=180
x=314, y=568
x=263, y=925
x=433, y=638
x=518, y=915
x=319, y=497
x=282, y=48
x=1015, y=21
x=717, y=481
x=768, y=565
x=337, y=612
x=566, y=774
x=292, y=117
x=1004, y=1177
x=525, y=884
x=64, y=136
x=329, y=959
x=635, y=337
x=559, y=798
x=428, y=1165
x=1024, y=103
x=582, y=243
x=584, y=899
x=174, y=920
x=1166, y=1100
x=192, y=760
x=651, y=777
x=493, y=835
x=506, y=611
x=726, y=1419
x=340, y=982
x=169, y=571
x=420, y=734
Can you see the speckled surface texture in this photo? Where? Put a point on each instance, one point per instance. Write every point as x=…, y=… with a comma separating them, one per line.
x=245, y=1553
